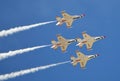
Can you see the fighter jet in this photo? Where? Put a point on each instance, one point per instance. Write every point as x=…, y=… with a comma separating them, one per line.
x=68, y=19
x=62, y=42
x=82, y=59
x=88, y=40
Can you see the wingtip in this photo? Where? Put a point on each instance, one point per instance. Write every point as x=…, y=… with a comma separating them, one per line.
x=63, y=51
x=52, y=40
x=74, y=65
x=83, y=32
x=63, y=11
x=77, y=51
x=89, y=49
x=69, y=27
x=57, y=16
x=83, y=68
x=58, y=35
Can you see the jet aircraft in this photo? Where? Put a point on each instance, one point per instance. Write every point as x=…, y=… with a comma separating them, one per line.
x=82, y=59
x=68, y=19
x=88, y=40
x=62, y=42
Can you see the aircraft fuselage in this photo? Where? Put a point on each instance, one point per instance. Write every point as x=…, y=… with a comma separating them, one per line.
x=78, y=16
x=99, y=38
x=63, y=20
x=87, y=56
x=92, y=38
x=92, y=56
x=71, y=41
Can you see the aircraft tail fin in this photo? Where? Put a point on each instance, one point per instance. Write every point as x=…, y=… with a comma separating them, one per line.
x=54, y=46
x=74, y=63
x=58, y=18
x=79, y=40
x=80, y=44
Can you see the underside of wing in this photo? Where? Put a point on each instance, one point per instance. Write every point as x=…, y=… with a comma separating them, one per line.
x=63, y=41
x=64, y=47
x=74, y=64
x=69, y=22
x=85, y=35
x=83, y=63
x=66, y=15
x=60, y=38
x=79, y=54
x=89, y=45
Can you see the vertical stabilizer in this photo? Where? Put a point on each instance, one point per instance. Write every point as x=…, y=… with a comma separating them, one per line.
x=54, y=46
x=74, y=63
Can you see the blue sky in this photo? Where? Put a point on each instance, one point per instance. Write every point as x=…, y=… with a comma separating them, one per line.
x=102, y=18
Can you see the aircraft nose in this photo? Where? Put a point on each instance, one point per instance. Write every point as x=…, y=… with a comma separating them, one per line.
x=83, y=14
x=103, y=37
x=97, y=55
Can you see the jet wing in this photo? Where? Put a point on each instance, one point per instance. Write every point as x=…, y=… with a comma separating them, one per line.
x=60, y=38
x=89, y=45
x=69, y=22
x=66, y=15
x=83, y=63
x=85, y=35
x=79, y=54
x=64, y=43
x=83, y=59
x=64, y=47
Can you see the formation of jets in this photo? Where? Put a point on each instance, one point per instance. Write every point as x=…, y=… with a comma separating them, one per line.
x=63, y=42
x=87, y=40
x=68, y=19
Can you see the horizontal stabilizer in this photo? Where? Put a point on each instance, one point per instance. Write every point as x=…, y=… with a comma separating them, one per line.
x=58, y=18
x=54, y=46
x=79, y=40
x=74, y=63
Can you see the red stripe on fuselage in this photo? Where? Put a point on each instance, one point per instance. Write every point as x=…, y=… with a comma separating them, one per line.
x=63, y=20
x=84, y=41
x=77, y=60
x=58, y=44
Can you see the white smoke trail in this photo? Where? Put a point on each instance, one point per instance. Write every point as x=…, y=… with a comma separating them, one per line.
x=21, y=28
x=20, y=51
x=27, y=71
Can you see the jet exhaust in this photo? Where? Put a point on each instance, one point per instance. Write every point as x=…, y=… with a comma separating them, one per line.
x=11, y=31
x=27, y=71
x=20, y=51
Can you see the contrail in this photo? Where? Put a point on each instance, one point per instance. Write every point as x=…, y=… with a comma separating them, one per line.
x=20, y=51
x=27, y=71
x=21, y=28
